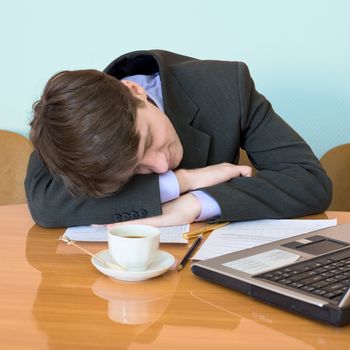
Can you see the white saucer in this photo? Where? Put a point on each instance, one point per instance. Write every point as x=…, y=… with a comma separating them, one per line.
x=162, y=263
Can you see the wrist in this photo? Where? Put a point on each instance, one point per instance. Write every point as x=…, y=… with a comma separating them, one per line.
x=210, y=208
x=183, y=180
x=195, y=205
x=168, y=186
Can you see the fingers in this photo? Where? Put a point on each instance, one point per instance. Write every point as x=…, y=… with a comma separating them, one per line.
x=245, y=170
x=237, y=170
x=233, y=170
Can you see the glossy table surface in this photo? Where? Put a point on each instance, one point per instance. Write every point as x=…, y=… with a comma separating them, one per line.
x=52, y=297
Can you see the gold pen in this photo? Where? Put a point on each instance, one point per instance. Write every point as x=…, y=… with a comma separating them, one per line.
x=204, y=229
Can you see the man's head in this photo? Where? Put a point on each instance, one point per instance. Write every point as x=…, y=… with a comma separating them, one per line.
x=95, y=132
x=84, y=128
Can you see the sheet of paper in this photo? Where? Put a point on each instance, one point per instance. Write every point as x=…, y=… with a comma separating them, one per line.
x=168, y=234
x=242, y=235
x=258, y=263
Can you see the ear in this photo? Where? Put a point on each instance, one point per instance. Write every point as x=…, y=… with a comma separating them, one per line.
x=137, y=90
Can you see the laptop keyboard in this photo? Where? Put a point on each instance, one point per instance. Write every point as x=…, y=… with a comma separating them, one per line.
x=327, y=276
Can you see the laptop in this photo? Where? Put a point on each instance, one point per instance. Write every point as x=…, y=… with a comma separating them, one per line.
x=308, y=274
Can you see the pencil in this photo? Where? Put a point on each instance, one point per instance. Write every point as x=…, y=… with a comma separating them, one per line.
x=205, y=229
x=189, y=252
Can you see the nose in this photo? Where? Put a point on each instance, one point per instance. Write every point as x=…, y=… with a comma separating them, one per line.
x=155, y=162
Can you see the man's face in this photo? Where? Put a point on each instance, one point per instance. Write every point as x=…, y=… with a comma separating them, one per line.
x=160, y=148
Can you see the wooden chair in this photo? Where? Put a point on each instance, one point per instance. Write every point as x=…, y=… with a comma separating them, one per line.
x=14, y=155
x=336, y=162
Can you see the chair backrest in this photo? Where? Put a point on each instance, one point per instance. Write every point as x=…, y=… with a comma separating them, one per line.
x=14, y=155
x=336, y=162
x=244, y=160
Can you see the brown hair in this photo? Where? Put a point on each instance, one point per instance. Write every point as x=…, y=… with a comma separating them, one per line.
x=84, y=129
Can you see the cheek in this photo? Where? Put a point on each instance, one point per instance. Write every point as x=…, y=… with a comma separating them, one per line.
x=142, y=170
x=145, y=165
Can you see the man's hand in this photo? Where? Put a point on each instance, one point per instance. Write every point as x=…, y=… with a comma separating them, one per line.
x=182, y=210
x=186, y=208
x=192, y=179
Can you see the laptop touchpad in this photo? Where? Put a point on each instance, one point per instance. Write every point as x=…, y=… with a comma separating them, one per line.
x=316, y=245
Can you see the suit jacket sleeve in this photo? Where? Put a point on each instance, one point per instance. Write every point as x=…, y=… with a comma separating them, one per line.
x=51, y=205
x=290, y=180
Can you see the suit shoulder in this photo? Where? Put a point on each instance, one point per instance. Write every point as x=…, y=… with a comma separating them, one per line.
x=210, y=65
x=211, y=69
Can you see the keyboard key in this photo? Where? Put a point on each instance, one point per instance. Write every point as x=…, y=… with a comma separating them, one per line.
x=285, y=281
x=334, y=287
x=307, y=288
x=320, y=284
x=318, y=291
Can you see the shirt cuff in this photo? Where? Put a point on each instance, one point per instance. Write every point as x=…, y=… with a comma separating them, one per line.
x=210, y=207
x=168, y=186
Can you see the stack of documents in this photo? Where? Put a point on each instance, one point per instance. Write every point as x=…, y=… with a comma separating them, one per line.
x=168, y=234
x=248, y=234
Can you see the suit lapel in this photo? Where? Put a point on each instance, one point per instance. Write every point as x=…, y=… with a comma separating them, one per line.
x=196, y=147
x=181, y=110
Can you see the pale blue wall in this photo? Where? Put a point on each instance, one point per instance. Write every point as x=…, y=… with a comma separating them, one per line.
x=298, y=51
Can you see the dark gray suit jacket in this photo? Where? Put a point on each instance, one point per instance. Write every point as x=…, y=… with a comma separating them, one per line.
x=215, y=110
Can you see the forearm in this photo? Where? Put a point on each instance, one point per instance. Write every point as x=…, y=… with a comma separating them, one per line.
x=293, y=192
x=192, y=179
x=188, y=180
x=51, y=205
x=169, y=188
x=290, y=180
x=180, y=211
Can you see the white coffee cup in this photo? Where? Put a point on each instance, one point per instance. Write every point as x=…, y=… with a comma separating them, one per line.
x=133, y=247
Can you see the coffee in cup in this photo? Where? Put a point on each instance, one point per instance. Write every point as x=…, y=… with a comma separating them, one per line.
x=133, y=247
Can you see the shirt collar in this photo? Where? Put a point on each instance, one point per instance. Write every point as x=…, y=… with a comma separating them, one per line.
x=152, y=86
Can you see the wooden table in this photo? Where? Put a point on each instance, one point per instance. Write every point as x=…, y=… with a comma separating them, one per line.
x=51, y=297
